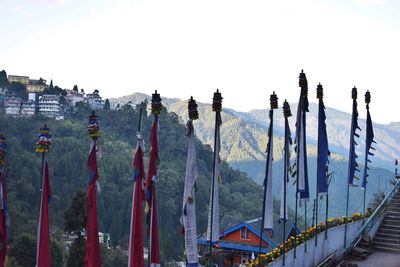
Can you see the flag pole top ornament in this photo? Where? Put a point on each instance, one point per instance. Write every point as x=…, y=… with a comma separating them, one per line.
x=286, y=109
x=192, y=107
x=302, y=79
x=273, y=101
x=320, y=91
x=156, y=105
x=367, y=98
x=217, y=102
x=354, y=93
x=94, y=127
x=44, y=140
x=3, y=147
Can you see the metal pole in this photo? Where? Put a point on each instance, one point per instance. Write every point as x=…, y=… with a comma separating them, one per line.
x=326, y=215
x=284, y=191
x=262, y=220
x=316, y=220
x=140, y=117
x=212, y=187
x=365, y=193
x=305, y=223
x=295, y=220
x=347, y=214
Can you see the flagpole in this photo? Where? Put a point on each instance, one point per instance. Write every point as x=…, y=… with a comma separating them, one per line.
x=137, y=210
x=368, y=145
x=217, y=107
x=93, y=254
x=305, y=223
x=347, y=215
x=352, y=156
x=326, y=214
x=287, y=113
x=188, y=217
x=273, y=105
x=42, y=146
x=156, y=107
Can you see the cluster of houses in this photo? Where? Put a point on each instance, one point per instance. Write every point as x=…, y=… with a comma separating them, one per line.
x=45, y=104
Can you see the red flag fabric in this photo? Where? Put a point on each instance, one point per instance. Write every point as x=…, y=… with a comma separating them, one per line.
x=43, y=255
x=92, y=230
x=3, y=221
x=151, y=197
x=136, y=258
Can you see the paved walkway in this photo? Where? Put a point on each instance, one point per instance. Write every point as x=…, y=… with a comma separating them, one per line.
x=380, y=259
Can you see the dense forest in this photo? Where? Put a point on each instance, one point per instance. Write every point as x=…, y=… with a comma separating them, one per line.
x=240, y=197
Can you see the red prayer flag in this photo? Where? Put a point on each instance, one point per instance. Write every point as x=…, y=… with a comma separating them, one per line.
x=136, y=258
x=92, y=230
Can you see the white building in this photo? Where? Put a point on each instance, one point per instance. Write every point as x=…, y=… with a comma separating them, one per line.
x=49, y=106
x=28, y=108
x=75, y=97
x=95, y=101
x=12, y=105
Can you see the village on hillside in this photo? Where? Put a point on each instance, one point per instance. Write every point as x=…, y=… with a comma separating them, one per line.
x=22, y=96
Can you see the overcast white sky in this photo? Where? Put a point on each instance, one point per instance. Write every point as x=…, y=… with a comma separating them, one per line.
x=246, y=48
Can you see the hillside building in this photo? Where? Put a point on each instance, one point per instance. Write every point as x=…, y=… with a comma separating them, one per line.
x=12, y=105
x=74, y=97
x=28, y=108
x=18, y=79
x=49, y=106
x=36, y=86
x=33, y=86
x=240, y=243
x=95, y=101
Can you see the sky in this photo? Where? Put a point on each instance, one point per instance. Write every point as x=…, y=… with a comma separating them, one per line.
x=245, y=48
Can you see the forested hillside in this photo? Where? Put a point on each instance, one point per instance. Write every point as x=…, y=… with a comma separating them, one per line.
x=240, y=197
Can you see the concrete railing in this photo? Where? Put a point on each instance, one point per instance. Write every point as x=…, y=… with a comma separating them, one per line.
x=326, y=247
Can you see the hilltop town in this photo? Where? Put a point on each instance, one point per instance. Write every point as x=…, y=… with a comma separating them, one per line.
x=22, y=96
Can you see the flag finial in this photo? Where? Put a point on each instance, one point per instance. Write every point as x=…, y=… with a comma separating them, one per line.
x=217, y=101
x=354, y=93
x=44, y=140
x=303, y=84
x=274, y=100
x=3, y=147
x=156, y=105
x=320, y=91
x=94, y=127
x=286, y=109
x=192, y=107
x=367, y=97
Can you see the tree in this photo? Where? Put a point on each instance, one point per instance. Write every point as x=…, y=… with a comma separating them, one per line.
x=75, y=222
x=24, y=250
x=75, y=215
x=107, y=105
x=42, y=81
x=19, y=89
x=3, y=79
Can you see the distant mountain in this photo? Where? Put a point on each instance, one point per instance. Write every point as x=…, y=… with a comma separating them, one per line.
x=338, y=127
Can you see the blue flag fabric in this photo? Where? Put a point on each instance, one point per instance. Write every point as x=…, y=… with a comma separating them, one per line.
x=323, y=151
x=301, y=149
x=353, y=166
x=368, y=147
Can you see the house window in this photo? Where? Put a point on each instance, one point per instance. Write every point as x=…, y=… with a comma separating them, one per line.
x=244, y=233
